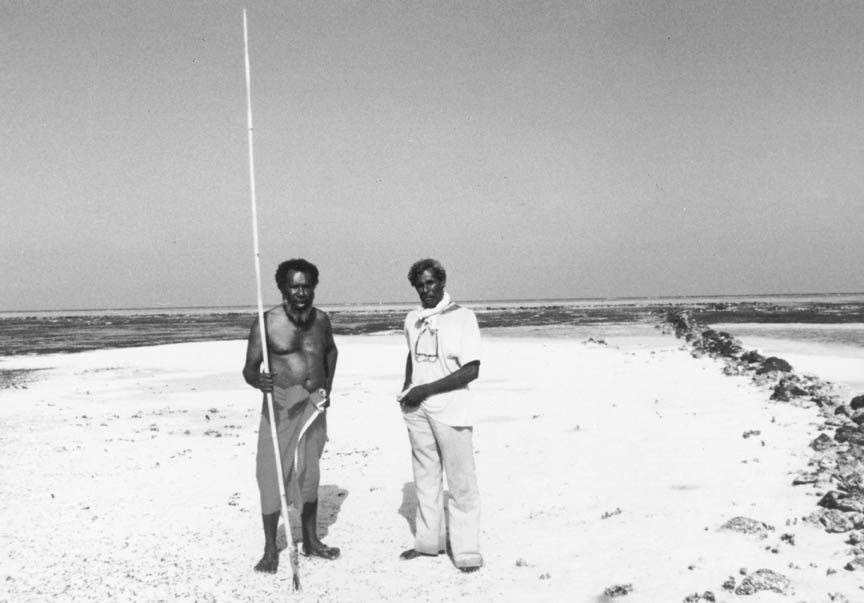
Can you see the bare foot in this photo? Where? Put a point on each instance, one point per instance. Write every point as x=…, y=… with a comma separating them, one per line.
x=269, y=563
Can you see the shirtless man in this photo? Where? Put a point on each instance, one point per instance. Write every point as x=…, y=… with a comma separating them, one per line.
x=302, y=362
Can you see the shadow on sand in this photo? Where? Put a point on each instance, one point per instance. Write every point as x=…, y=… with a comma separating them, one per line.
x=330, y=499
x=408, y=508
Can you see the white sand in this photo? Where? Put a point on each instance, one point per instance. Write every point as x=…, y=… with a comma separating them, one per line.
x=599, y=465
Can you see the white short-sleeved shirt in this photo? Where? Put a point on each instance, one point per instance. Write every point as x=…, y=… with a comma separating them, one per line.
x=454, y=342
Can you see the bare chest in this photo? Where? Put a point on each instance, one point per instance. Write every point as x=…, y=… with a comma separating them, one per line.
x=286, y=338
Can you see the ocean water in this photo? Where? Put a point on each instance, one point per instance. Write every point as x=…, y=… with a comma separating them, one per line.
x=809, y=320
x=834, y=352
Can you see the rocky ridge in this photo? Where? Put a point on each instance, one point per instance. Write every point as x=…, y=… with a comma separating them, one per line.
x=837, y=465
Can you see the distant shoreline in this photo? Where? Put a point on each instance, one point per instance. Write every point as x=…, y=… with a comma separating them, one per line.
x=45, y=333
x=374, y=306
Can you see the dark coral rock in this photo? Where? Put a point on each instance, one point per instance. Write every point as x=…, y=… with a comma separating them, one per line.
x=835, y=521
x=857, y=402
x=822, y=442
x=842, y=502
x=752, y=357
x=787, y=389
x=765, y=579
x=850, y=433
x=823, y=400
x=618, y=590
x=772, y=363
x=746, y=525
x=856, y=564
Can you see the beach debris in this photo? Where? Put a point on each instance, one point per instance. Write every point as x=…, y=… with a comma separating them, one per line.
x=750, y=433
x=856, y=564
x=837, y=598
x=855, y=537
x=608, y=514
x=696, y=597
x=788, y=538
x=545, y=576
x=747, y=525
x=765, y=579
x=832, y=520
x=618, y=590
x=233, y=499
x=213, y=432
x=522, y=563
x=17, y=378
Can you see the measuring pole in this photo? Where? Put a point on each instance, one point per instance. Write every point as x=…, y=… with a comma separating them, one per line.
x=261, y=325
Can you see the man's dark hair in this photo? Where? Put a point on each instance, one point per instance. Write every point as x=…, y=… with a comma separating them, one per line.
x=296, y=265
x=433, y=266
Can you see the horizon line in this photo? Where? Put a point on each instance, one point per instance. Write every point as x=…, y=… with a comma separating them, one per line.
x=471, y=301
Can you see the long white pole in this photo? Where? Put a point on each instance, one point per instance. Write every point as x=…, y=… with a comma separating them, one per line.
x=261, y=325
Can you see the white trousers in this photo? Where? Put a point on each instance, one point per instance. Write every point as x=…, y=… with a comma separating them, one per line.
x=437, y=449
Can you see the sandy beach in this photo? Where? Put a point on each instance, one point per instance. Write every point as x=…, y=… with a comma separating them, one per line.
x=608, y=461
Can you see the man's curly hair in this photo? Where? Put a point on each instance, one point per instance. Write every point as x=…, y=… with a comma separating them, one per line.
x=434, y=266
x=296, y=265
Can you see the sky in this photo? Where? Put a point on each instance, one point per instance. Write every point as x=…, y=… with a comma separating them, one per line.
x=538, y=149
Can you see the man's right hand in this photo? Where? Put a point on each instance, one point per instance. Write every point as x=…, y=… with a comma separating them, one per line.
x=265, y=382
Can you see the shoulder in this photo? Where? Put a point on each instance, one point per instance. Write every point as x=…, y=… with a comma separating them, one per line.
x=459, y=312
x=274, y=315
x=322, y=319
x=459, y=318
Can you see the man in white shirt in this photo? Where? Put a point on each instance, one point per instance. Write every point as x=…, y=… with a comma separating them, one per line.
x=443, y=358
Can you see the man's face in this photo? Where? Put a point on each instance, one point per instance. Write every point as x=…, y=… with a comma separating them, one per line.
x=298, y=290
x=429, y=289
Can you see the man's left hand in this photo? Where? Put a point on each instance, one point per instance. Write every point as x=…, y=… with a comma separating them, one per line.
x=415, y=397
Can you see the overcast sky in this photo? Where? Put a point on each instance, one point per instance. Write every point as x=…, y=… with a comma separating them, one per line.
x=538, y=149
